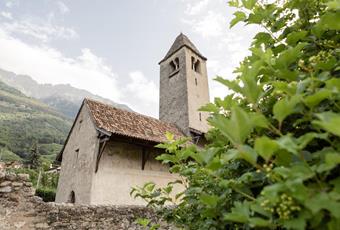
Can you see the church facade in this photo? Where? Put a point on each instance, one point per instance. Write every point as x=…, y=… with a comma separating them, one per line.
x=109, y=150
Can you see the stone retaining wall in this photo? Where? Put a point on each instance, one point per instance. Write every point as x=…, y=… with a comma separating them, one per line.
x=20, y=209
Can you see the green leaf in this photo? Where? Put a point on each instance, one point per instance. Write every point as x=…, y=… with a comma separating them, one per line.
x=333, y=85
x=249, y=4
x=329, y=121
x=247, y=153
x=323, y=201
x=265, y=147
x=296, y=224
x=209, y=200
x=289, y=56
x=210, y=107
x=239, y=213
x=285, y=107
x=207, y=154
x=143, y=221
x=237, y=128
x=258, y=120
x=169, y=136
x=234, y=3
x=304, y=140
x=332, y=159
x=262, y=37
x=314, y=99
x=259, y=222
x=239, y=16
x=334, y=5
x=294, y=37
x=288, y=143
x=230, y=84
x=167, y=158
x=330, y=21
x=251, y=89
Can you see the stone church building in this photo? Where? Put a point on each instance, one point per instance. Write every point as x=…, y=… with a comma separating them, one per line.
x=110, y=150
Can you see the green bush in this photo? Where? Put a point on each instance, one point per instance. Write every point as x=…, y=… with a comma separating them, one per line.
x=274, y=153
x=47, y=194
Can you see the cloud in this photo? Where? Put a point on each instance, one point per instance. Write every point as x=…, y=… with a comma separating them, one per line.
x=63, y=8
x=197, y=7
x=11, y=3
x=44, y=32
x=47, y=65
x=6, y=15
x=211, y=25
x=85, y=71
x=209, y=21
x=141, y=94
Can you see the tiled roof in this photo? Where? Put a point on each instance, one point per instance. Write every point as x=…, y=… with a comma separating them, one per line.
x=131, y=124
x=179, y=42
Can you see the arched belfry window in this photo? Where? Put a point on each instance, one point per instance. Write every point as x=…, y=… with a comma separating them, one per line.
x=174, y=65
x=195, y=65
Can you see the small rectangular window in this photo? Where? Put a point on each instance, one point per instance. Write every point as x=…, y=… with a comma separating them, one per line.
x=200, y=116
x=195, y=81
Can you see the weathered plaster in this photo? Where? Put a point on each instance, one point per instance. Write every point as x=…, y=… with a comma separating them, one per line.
x=120, y=169
x=77, y=169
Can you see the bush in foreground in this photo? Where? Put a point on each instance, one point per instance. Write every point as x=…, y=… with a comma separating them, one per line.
x=274, y=152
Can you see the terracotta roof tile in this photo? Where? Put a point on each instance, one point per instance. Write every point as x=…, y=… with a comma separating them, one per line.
x=131, y=124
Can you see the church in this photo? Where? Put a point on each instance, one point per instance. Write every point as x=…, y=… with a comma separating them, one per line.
x=108, y=150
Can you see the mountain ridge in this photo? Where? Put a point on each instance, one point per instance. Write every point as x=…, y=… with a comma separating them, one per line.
x=62, y=97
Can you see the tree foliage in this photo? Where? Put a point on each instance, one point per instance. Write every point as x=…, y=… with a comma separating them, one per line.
x=274, y=152
x=34, y=158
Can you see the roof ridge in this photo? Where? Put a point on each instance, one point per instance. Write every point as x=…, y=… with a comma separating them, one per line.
x=131, y=112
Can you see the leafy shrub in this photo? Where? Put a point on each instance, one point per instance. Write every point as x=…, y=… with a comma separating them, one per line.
x=274, y=153
x=47, y=194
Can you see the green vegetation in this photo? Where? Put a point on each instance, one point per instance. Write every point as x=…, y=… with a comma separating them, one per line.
x=7, y=155
x=24, y=120
x=47, y=186
x=274, y=154
x=33, y=160
x=48, y=195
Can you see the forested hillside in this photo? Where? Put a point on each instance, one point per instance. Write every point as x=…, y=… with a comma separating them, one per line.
x=24, y=120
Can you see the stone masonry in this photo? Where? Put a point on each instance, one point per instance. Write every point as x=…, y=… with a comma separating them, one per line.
x=20, y=209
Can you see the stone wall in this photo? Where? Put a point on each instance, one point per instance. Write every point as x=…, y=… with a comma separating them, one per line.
x=20, y=209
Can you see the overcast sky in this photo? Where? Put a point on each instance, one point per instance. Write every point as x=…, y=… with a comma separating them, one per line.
x=112, y=48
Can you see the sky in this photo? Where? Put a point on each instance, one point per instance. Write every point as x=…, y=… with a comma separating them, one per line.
x=112, y=48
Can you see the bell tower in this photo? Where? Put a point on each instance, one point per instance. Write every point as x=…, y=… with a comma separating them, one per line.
x=184, y=87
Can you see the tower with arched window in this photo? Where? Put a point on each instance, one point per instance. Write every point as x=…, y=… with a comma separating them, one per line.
x=184, y=87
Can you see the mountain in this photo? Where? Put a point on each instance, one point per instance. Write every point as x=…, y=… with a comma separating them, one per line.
x=63, y=97
x=24, y=121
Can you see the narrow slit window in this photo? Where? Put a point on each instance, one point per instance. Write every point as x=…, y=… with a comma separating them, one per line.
x=80, y=122
x=77, y=153
x=192, y=63
x=195, y=81
x=200, y=116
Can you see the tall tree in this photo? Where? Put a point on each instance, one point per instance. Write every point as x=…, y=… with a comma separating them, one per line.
x=34, y=158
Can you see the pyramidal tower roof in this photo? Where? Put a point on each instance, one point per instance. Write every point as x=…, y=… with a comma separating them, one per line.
x=180, y=42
